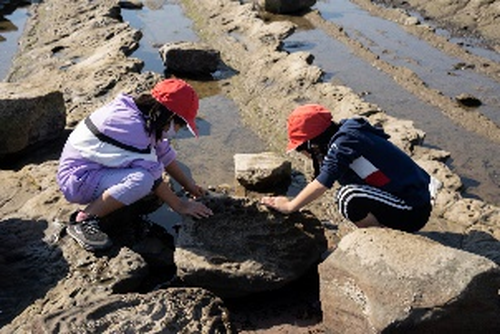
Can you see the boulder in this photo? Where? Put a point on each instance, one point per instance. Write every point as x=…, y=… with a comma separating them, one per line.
x=381, y=280
x=284, y=6
x=189, y=58
x=262, y=171
x=29, y=115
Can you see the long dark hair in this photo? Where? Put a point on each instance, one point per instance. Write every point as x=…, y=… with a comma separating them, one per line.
x=156, y=115
x=317, y=147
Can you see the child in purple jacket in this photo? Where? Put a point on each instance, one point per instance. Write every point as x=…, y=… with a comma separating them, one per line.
x=380, y=184
x=118, y=154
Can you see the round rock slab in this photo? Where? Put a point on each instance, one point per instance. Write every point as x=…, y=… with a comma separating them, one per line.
x=245, y=248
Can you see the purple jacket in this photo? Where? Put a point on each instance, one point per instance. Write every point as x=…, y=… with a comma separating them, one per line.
x=113, y=136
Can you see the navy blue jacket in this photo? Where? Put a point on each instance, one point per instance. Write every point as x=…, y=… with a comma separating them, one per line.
x=360, y=153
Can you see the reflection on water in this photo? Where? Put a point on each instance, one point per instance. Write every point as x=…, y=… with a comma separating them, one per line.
x=160, y=22
x=11, y=28
x=397, y=47
x=222, y=134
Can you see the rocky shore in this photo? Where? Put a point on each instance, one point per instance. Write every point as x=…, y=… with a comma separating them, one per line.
x=80, y=51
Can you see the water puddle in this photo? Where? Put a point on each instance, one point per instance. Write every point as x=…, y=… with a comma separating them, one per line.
x=160, y=22
x=11, y=28
x=221, y=132
x=473, y=157
x=470, y=45
x=399, y=48
x=473, y=46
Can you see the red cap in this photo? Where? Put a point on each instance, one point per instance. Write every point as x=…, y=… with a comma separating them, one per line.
x=305, y=123
x=179, y=97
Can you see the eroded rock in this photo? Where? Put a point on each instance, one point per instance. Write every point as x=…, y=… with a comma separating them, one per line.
x=175, y=310
x=189, y=58
x=381, y=280
x=29, y=115
x=245, y=248
x=264, y=171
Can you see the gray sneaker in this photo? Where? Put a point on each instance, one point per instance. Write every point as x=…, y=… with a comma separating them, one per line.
x=88, y=234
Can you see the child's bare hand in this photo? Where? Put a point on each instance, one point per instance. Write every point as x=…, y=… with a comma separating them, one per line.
x=280, y=203
x=196, y=191
x=195, y=209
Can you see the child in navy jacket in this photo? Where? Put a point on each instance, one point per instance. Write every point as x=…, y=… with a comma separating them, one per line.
x=380, y=184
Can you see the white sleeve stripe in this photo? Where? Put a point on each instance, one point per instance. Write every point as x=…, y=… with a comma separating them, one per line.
x=363, y=167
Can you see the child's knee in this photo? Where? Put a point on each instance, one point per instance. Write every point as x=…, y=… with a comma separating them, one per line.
x=369, y=221
x=141, y=183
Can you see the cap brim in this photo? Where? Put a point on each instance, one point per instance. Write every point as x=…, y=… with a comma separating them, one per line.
x=192, y=128
x=191, y=125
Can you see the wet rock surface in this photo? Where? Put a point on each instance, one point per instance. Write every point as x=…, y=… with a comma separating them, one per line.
x=46, y=276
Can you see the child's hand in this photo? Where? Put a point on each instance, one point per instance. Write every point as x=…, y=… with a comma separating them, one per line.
x=195, y=209
x=280, y=203
x=196, y=191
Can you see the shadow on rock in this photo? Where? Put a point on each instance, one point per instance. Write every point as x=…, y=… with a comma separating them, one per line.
x=35, y=154
x=130, y=228
x=29, y=266
x=297, y=304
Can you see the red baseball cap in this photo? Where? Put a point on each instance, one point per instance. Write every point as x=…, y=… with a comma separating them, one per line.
x=305, y=123
x=179, y=97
